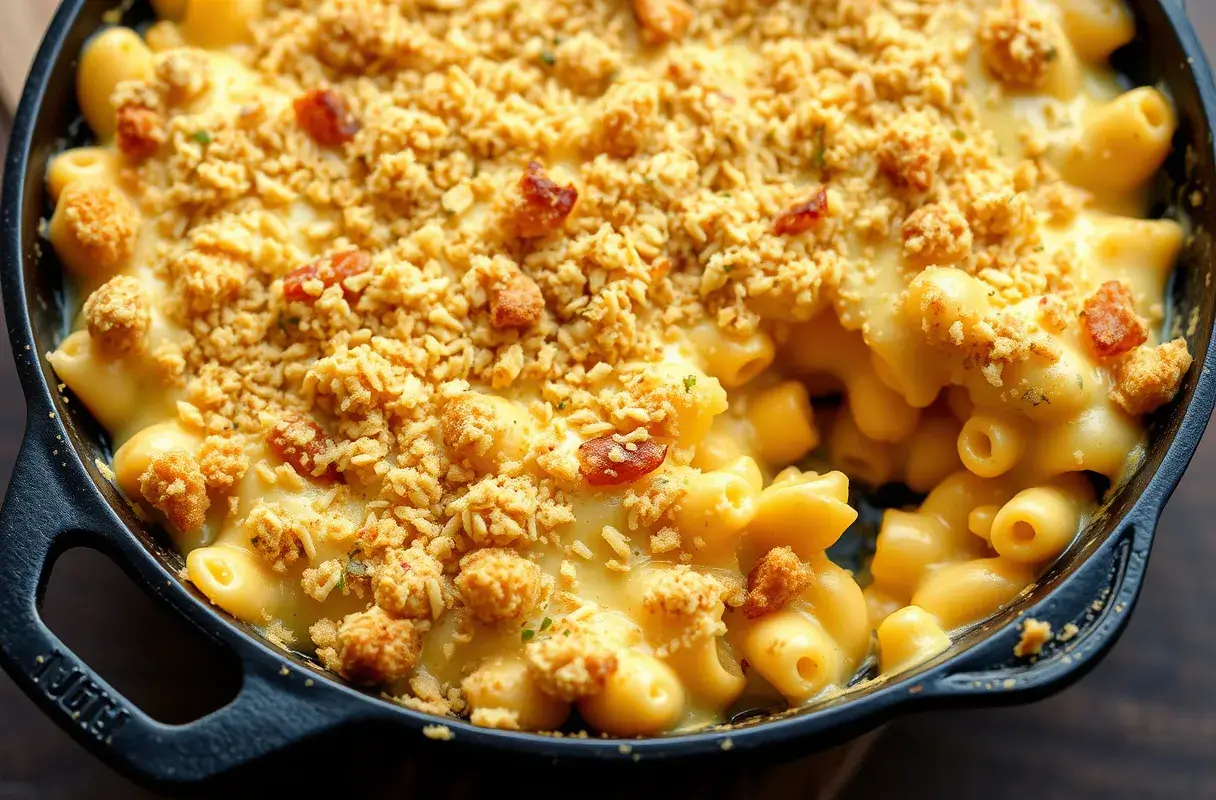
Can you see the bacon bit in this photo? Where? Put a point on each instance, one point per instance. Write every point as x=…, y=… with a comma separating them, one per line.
x=300, y=441
x=603, y=461
x=140, y=132
x=329, y=270
x=803, y=216
x=517, y=303
x=324, y=117
x=778, y=577
x=544, y=205
x=663, y=20
x=1111, y=321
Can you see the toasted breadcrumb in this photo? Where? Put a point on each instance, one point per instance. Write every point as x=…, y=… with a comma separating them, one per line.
x=174, y=485
x=496, y=584
x=663, y=20
x=1016, y=44
x=1111, y=323
x=141, y=131
x=1149, y=377
x=373, y=648
x=407, y=581
x=776, y=579
x=910, y=148
x=502, y=719
x=1035, y=634
x=102, y=221
x=439, y=733
x=118, y=315
x=517, y=303
x=274, y=534
x=222, y=461
x=571, y=667
x=936, y=234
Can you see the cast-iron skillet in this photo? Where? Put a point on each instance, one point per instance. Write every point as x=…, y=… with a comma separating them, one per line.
x=58, y=499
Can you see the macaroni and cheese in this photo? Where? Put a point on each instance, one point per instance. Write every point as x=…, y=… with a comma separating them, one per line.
x=475, y=346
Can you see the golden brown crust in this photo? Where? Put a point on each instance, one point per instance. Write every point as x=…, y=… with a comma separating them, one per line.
x=102, y=221
x=118, y=315
x=1110, y=321
x=173, y=484
x=222, y=461
x=663, y=21
x=776, y=580
x=275, y=534
x=409, y=584
x=910, y=150
x=1149, y=377
x=516, y=303
x=303, y=444
x=571, y=667
x=936, y=234
x=498, y=585
x=1016, y=45
x=374, y=649
x=140, y=131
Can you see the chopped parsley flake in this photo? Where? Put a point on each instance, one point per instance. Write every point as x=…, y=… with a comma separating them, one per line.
x=545, y=623
x=566, y=632
x=689, y=382
x=958, y=135
x=527, y=634
x=548, y=58
x=202, y=137
x=561, y=406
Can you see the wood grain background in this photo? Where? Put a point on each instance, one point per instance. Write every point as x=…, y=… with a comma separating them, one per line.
x=1142, y=725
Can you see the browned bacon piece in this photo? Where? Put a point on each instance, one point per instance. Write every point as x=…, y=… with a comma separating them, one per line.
x=543, y=205
x=603, y=461
x=1111, y=322
x=329, y=270
x=325, y=118
x=300, y=441
x=803, y=216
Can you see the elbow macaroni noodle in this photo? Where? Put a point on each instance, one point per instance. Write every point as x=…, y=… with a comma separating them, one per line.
x=478, y=349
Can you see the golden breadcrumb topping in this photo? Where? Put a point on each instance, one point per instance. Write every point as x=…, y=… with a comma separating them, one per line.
x=102, y=221
x=1035, y=634
x=571, y=667
x=222, y=461
x=776, y=580
x=498, y=585
x=118, y=315
x=1149, y=377
x=174, y=485
x=410, y=584
x=1016, y=44
x=373, y=648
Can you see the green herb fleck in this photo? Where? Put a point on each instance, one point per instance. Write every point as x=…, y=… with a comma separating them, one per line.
x=1052, y=54
x=561, y=406
x=202, y=137
x=1080, y=381
x=476, y=169
x=729, y=268
x=527, y=634
x=821, y=150
x=689, y=382
x=357, y=568
x=558, y=40
x=958, y=135
x=545, y=623
x=548, y=58
x=341, y=582
x=566, y=632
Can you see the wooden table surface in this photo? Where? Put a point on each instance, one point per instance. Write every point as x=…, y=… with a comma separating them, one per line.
x=1142, y=725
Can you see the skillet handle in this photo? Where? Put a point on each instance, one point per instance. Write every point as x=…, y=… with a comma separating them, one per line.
x=1097, y=598
x=275, y=707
